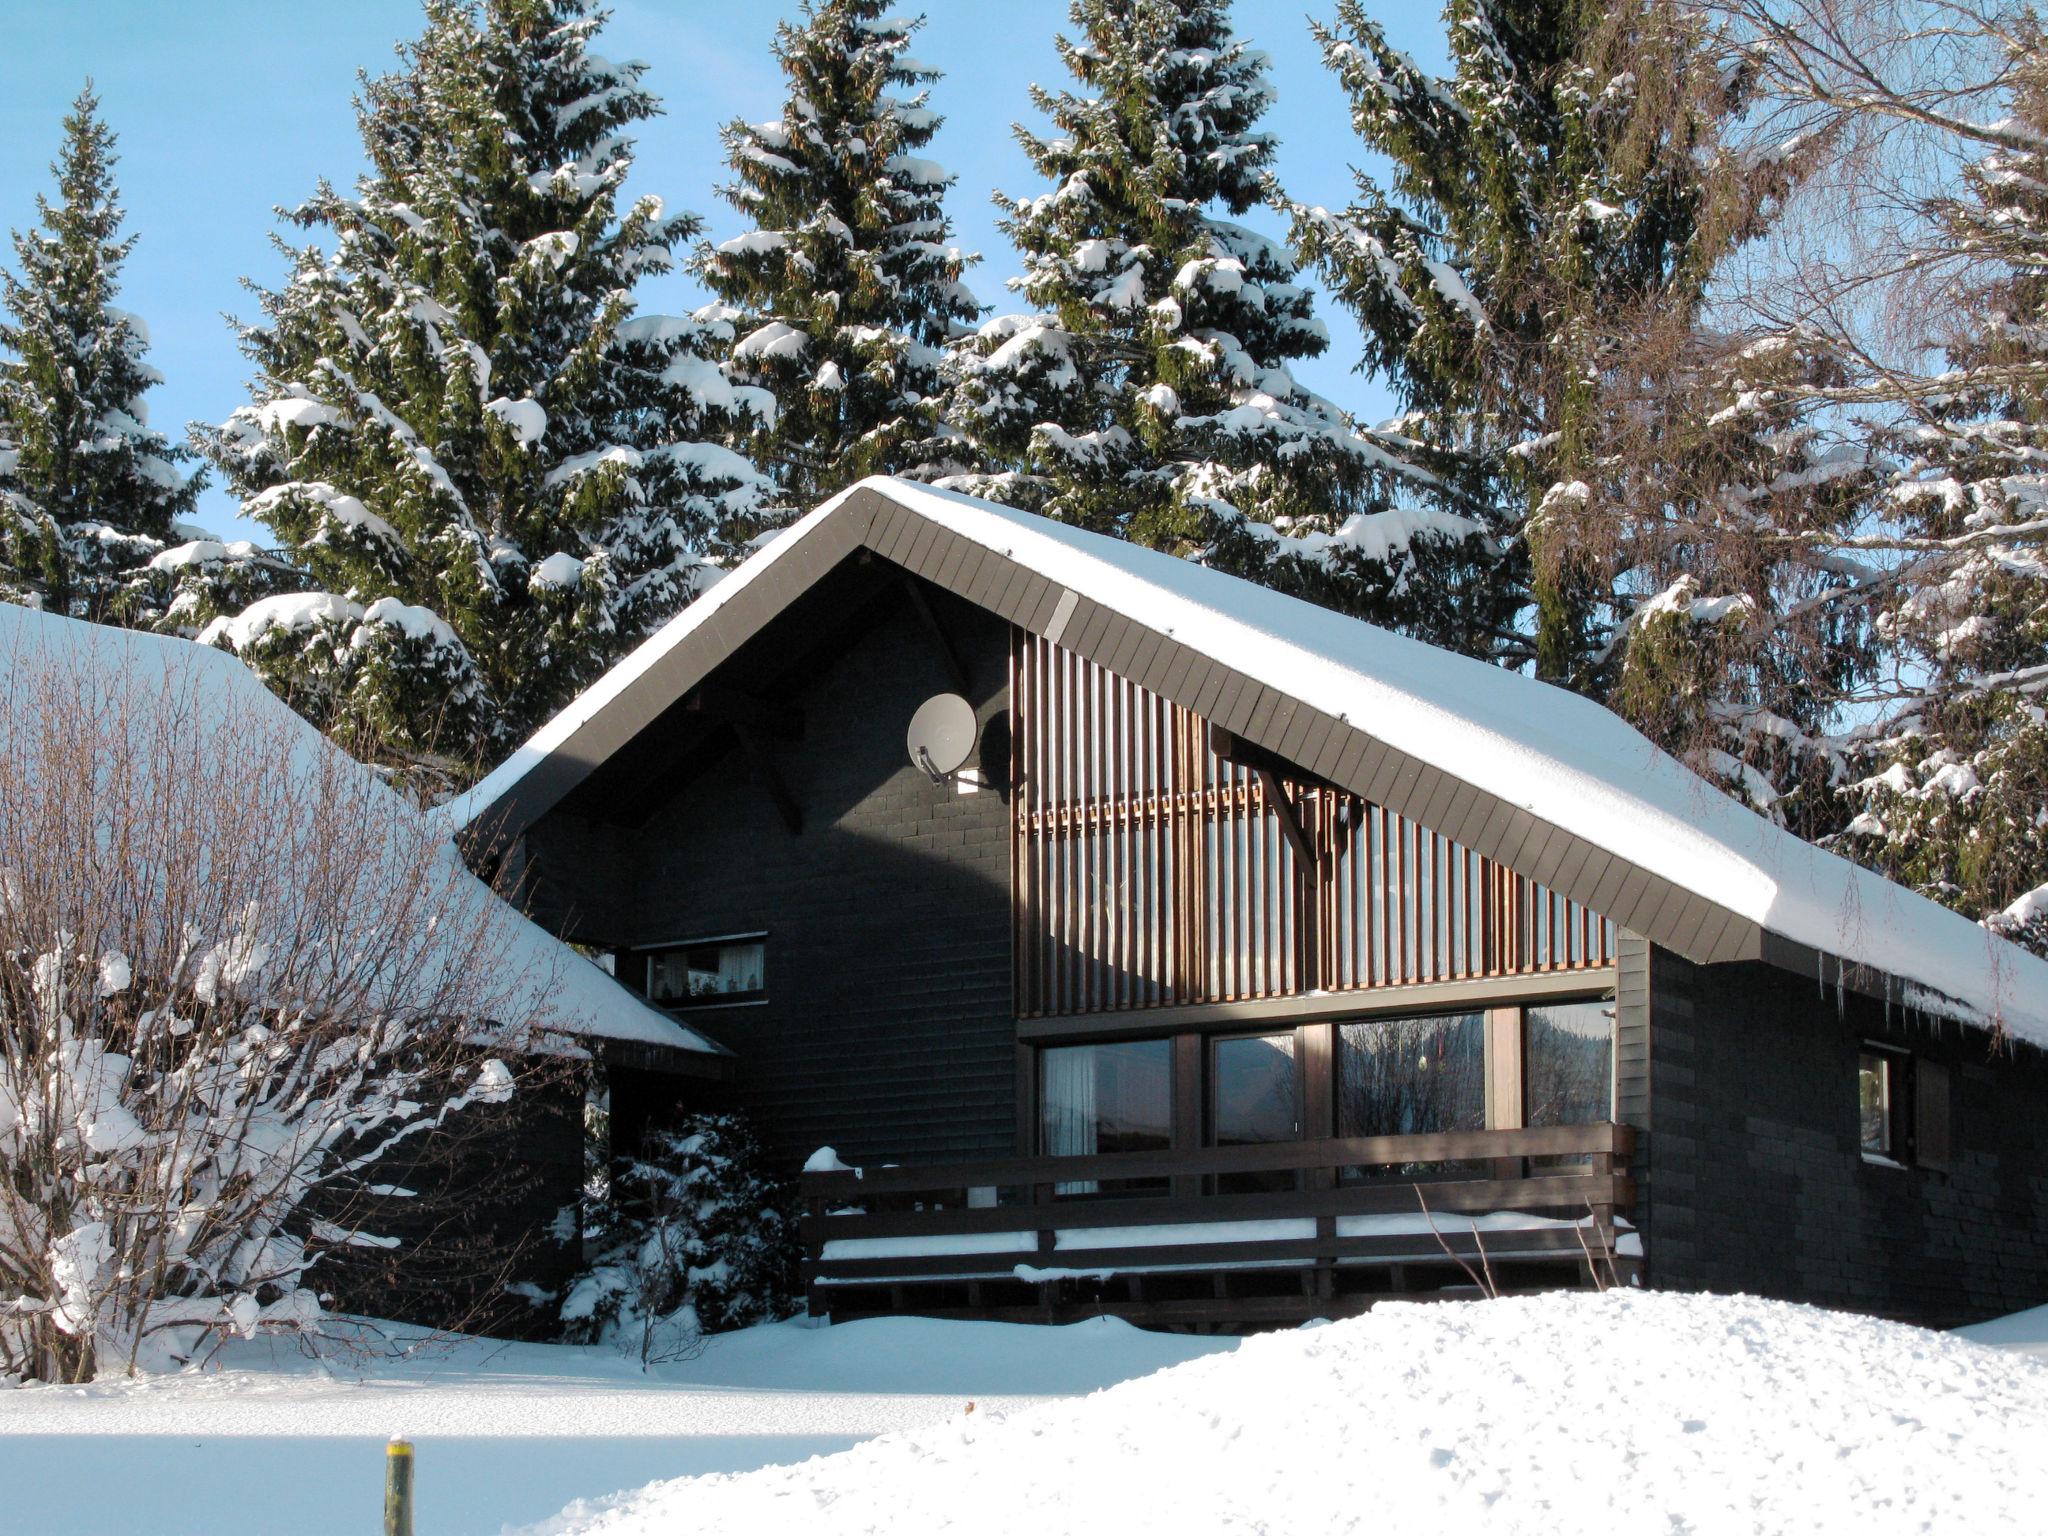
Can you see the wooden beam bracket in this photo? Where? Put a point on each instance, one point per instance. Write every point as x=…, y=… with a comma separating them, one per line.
x=719, y=704
x=1289, y=816
x=1233, y=748
x=956, y=667
x=771, y=778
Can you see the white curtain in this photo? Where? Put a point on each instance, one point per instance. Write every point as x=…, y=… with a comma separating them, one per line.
x=1069, y=1110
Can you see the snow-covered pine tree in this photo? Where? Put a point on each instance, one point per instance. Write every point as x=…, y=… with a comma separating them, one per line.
x=1149, y=395
x=495, y=475
x=847, y=288
x=1532, y=281
x=1958, y=803
x=690, y=1236
x=88, y=492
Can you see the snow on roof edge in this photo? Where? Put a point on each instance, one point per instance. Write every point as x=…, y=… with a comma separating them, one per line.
x=1564, y=759
x=461, y=811
x=568, y=991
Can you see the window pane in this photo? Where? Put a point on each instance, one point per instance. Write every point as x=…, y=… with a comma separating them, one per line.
x=732, y=971
x=1873, y=1093
x=1252, y=1092
x=1252, y=1101
x=1106, y=1098
x=1411, y=1077
x=1570, y=1063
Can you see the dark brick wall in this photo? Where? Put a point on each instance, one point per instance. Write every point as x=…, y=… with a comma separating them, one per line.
x=1758, y=1181
x=888, y=1032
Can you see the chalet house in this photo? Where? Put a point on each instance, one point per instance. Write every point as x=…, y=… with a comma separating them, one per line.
x=1221, y=959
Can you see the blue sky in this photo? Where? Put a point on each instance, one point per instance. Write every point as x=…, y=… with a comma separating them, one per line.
x=228, y=108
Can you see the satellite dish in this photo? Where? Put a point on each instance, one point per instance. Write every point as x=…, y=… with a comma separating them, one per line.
x=942, y=735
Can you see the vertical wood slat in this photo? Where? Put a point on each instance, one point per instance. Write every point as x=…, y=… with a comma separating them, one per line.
x=1146, y=871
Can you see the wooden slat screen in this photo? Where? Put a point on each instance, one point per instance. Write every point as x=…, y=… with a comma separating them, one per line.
x=1149, y=872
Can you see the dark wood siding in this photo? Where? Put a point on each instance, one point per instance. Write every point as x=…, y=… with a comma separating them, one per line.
x=1756, y=1178
x=887, y=1032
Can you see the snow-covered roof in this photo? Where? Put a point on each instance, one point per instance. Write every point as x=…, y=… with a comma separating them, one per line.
x=144, y=674
x=1565, y=761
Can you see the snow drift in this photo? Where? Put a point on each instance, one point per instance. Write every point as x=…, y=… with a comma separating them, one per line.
x=1627, y=1411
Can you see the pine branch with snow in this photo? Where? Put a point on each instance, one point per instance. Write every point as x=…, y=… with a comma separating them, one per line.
x=1954, y=800
x=690, y=1237
x=493, y=474
x=846, y=289
x=89, y=492
x=1533, y=280
x=1147, y=394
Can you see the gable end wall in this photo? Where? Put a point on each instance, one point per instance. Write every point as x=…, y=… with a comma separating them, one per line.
x=889, y=1031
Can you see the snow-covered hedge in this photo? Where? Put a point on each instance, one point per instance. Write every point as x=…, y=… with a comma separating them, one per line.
x=237, y=977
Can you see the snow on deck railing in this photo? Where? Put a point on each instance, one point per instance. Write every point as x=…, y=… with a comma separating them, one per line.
x=1555, y=1193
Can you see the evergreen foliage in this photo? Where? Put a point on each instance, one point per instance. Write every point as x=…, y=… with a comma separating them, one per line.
x=690, y=1237
x=1532, y=281
x=494, y=475
x=1148, y=396
x=1958, y=803
x=89, y=493
x=847, y=288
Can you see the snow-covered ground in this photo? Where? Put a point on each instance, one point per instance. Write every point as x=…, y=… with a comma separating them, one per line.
x=1626, y=1412
x=1630, y=1411
x=271, y=1443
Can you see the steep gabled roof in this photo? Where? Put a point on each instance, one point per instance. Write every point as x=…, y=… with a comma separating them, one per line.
x=1537, y=778
x=215, y=700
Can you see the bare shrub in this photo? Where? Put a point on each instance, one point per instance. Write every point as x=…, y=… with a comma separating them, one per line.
x=238, y=978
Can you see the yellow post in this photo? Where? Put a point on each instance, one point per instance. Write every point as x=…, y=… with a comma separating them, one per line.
x=398, y=1487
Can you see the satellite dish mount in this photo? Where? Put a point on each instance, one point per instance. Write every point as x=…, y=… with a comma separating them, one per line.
x=942, y=736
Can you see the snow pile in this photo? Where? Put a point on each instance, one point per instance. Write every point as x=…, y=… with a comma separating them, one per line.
x=1624, y=1411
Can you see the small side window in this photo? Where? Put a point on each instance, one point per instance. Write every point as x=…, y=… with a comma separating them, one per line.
x=1884, y=1104
x=706, y=974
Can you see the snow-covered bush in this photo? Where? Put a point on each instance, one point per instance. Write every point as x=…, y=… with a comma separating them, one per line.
x=240, y=980
x=695, y=1238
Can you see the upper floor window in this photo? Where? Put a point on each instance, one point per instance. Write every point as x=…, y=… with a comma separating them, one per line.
x=709, y=972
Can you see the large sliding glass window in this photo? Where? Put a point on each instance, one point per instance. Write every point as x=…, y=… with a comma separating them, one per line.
x=1409, y=1077
x=1254, y=1099
x=1417, y=1075
x=1106, y=1098
x=1569, y=1051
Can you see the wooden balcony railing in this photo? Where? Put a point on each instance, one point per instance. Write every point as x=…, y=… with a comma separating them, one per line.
x=1150, y=870
x=1550, y=1195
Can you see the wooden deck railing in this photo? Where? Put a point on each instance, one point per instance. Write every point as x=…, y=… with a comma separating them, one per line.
x=1353, y=1201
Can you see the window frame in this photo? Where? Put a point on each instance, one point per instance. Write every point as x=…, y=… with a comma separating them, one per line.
x=648, y=953
x=1317, y=1068
x=1901, y=1149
